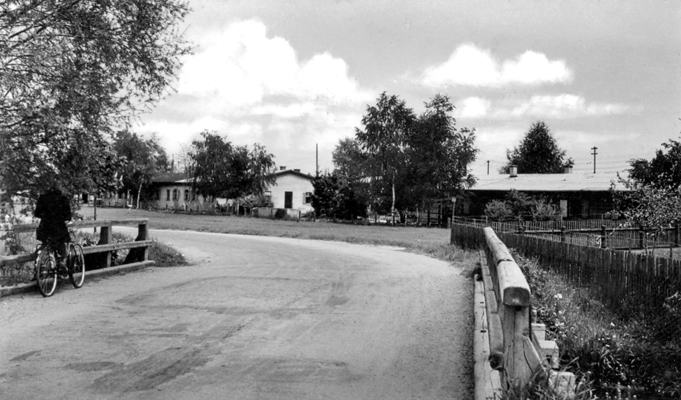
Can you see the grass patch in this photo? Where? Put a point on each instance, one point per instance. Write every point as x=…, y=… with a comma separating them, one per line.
x=622, y=357
x=166, y=256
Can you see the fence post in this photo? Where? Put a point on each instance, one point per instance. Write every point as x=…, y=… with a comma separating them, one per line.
x=105, y=238
x=641, y=235
x=562, y=234
x=603, y=244
x=677, y=233
x=139, y=253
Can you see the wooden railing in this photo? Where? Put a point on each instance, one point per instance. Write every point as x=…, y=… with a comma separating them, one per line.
x=101, y=252
x=517, y=348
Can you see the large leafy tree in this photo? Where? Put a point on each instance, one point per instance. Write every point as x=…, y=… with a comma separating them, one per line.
x=438, y=154
x=140, y=160
x=387, y=124
x=73, y=71
x=662, y=171
x=538, y=153
x=221, y=169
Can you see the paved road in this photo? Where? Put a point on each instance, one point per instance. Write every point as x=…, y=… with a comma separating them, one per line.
x=253, y=318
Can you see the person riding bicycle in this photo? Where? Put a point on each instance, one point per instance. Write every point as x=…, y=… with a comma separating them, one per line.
x=54, y=210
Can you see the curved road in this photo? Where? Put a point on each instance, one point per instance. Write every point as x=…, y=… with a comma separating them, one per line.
x=253, y=318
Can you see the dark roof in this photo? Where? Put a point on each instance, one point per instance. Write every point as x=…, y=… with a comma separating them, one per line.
x=571, y=182
x=293, y=172
x=171, y=177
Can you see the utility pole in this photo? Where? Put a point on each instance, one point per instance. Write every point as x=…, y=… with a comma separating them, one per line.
x=594, y=154
x=316, y=159
x=487, y=167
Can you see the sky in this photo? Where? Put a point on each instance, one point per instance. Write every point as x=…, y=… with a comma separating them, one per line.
x=292, y=75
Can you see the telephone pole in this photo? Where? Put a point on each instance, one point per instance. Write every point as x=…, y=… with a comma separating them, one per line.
x=316, y=159
x=487, y=167
x=594, y=154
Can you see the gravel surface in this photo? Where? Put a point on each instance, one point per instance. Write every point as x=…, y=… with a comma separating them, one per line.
x=252, y=318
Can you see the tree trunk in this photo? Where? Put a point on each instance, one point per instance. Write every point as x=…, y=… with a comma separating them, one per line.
x=392, y=206
x=139, y=191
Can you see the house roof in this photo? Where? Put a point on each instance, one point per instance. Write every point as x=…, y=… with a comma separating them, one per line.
x=293, y=172
x=171, y=177
x=569, y=182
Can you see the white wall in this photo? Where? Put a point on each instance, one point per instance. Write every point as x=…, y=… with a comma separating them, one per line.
x=295, y=184
x=181, y=201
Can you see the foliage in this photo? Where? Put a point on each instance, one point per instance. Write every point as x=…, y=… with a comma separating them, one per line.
x=538, y=153
x=663, y=171
x=404, y=160
x=610, y=349
x=386, y=127
x=141, y=159
x=70, y=71
x=519, y=204
x=334, y=198
x=220, y=169
x=438, y=154
x=498, y=210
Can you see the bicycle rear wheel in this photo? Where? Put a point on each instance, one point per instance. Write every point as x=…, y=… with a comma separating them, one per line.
x=76, y=265
x=46, y=272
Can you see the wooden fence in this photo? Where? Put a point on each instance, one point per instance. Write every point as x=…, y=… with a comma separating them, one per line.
x=624, y=281
x=610, y=234
x=517, y=347
x=99, y=255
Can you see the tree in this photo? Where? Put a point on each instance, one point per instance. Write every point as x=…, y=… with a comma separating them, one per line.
x=438, y=153
x=141, y=159
x=386, y=126
x=351, y=170
x=538, y=153
x=220, y=169
x=70, y=73
x=662, y=171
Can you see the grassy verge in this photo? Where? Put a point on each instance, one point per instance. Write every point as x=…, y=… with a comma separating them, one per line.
x=623, y=356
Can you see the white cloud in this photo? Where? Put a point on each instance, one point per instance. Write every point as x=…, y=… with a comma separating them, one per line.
x=469, y=65
x=241, y=65
x=473, y=107
x=252, y=87
x=563, y=106
x=539, y=106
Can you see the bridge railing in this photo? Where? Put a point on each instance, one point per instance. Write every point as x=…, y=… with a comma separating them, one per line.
x=100, y=253
x=517, y=347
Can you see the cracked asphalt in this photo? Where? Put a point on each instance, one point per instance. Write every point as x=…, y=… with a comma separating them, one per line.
x=251, y=318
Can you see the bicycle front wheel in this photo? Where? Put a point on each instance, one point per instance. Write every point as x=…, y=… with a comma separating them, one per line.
x=46, y=272
x=76, y=265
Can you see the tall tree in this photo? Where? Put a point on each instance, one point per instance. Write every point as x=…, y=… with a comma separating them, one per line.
x=439, y=155
x=73, y=71
x=386, y=127
x=662, y=171
x=141, y=159
x=538, y=153
x=220, y=169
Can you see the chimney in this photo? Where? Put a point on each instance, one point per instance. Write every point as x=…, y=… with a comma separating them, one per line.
x=296, y=169
x=567, y=170
x=282, y=167
x=513, y=171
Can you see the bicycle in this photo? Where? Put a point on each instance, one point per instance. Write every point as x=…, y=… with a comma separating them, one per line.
x=48, y=270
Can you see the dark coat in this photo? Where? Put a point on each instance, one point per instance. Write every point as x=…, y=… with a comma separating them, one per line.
x=53, y=209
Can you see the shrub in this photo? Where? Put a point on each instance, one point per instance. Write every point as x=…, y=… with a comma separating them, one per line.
x=498, y=210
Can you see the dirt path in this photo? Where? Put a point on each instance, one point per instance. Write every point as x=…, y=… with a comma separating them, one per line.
x=254, y=318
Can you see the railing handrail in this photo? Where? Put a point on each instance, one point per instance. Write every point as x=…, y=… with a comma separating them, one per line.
x=86, y=223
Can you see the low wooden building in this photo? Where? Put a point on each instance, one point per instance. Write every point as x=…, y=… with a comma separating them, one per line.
x=577, y=195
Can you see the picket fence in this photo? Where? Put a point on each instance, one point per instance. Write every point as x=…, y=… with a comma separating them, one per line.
x=623, y=281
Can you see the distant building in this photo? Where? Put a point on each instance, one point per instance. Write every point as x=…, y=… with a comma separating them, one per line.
x=174, y=191
x=292, y=189
x=578, y=195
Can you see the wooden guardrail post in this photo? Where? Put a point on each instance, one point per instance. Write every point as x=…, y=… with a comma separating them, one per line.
x=105, y=238
x=139, y=253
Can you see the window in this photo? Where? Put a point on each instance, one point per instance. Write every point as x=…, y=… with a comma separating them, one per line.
x=186, y=195
x=174, y=194
x=307, y=197
x=167, y=194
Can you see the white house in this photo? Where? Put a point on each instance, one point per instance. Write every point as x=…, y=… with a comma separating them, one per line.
x=292, y=189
